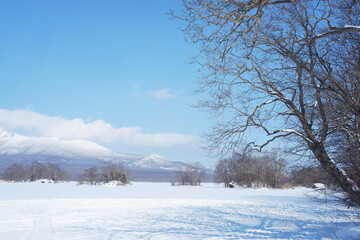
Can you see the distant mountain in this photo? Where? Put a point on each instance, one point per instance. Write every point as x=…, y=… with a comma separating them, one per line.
x=76, y=155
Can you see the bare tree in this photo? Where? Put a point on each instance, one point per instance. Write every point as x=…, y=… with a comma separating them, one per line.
x=38, y=171
x=91, y=175
x=193, y=175
x=273, y=170
x=16, y=172
x=56, y=174
x=274, y=66
x=223, y=170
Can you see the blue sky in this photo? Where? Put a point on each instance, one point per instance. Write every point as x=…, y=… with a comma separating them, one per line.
x=113, y=72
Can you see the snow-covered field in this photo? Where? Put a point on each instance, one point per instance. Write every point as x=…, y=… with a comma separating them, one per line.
x=161, y=211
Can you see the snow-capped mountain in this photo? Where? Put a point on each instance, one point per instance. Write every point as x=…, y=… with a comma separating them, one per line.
x=13, y=144
x=75, y=155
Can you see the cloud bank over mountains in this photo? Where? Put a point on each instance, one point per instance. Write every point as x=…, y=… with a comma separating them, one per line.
x=36, y=124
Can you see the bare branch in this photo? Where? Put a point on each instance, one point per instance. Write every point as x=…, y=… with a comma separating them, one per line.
x=332, y=31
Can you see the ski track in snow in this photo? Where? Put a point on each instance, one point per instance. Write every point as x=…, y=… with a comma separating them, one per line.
x=124, y=213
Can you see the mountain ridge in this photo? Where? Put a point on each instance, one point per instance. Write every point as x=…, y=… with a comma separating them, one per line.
x=75, y=155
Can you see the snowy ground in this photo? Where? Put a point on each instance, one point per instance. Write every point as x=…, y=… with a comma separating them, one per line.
x=161, y=211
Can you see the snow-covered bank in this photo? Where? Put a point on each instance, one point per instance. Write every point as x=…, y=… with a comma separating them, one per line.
x=161, y=211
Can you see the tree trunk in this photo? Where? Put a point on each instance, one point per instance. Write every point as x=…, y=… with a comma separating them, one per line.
x=346, y=184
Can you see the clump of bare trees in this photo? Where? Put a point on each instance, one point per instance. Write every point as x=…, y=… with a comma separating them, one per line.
x=90, y=176
x=266, y=170
x=21, y=172
x=193, y=174
x=282, y=69
x=113, y=173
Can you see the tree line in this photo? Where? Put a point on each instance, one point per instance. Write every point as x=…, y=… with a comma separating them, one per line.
x=193, y=174
x=22, y=172
x=269, y=170
x=18, y=172
x=246, y=170
x=266, y=170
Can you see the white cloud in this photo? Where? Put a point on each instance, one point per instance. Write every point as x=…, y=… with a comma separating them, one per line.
x=99, y=131
x=164, y=93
